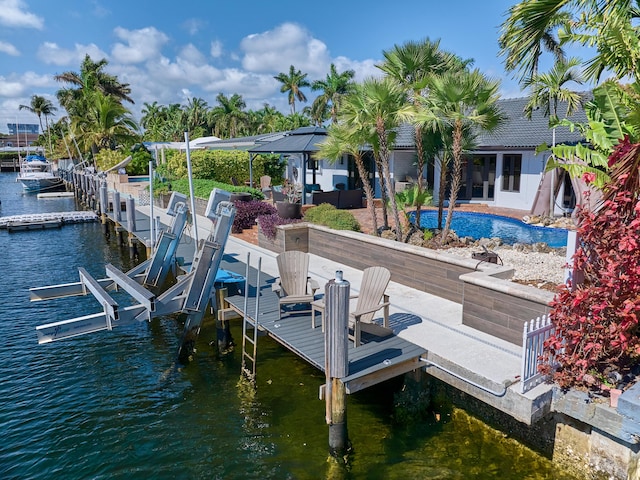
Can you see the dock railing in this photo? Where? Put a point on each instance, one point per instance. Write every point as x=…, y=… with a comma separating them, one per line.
x=533, y=337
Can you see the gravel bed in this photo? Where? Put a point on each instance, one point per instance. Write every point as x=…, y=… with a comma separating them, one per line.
x=528, y=265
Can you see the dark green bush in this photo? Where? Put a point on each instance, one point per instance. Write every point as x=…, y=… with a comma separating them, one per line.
x=329, y=216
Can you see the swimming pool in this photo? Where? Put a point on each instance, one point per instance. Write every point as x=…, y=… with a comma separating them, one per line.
x=483, y=225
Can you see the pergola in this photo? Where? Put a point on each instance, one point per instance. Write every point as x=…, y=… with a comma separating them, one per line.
x=304, y=140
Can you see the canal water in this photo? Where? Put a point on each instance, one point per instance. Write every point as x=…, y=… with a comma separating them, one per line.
x=114, y=405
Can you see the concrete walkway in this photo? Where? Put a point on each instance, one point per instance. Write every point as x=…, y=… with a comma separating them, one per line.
x=487, y=364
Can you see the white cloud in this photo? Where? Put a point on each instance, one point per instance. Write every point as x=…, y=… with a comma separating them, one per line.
x=10, y=88
x=364, y=69
x=13, y=13
x=190, y=54
x=141, y=45
x=216, y=49
x=100, y=11
x=288, y=44
x=193, y=25
x=16, y=86
x=51, y=53
x=9, y=49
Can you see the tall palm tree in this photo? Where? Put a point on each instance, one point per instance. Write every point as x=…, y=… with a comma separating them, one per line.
x=379, y=106
x=292, y=83
x=411, y=65
x=344, y=139
x=547, y=90
x=40, y=106
x=334, y=87
x=90, y=79
x=462, y=103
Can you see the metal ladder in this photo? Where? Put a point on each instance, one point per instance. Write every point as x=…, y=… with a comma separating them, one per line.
x=250, y=339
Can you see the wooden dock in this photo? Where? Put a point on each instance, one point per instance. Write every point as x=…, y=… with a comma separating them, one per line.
x=376, y=360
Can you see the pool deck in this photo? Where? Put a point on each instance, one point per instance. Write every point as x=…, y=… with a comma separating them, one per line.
x=474, y=362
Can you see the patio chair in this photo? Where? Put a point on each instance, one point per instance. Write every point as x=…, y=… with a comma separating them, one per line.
x=294, y=286
x=265, y=186
x=371, y=299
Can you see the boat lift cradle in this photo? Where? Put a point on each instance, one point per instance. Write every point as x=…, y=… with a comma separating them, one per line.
x=190, y=294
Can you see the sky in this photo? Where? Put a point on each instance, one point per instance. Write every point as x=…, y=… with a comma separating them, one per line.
x=171, y=51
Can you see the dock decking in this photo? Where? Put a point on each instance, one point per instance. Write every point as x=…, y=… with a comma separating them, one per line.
x=376, y=360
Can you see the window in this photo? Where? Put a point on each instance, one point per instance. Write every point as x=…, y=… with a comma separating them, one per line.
x=511, y=169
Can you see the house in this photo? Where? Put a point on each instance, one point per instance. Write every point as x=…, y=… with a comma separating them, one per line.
x=503, y=171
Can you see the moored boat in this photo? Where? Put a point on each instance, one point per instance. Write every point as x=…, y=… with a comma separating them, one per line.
x=36, y=174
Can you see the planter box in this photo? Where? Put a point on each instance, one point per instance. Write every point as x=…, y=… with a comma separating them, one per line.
x=288, y=237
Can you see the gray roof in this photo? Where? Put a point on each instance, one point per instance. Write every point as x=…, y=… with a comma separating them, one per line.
x=301, y=140
x=517, y=132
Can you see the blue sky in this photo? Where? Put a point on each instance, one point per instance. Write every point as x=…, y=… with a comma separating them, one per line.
x=170, y=51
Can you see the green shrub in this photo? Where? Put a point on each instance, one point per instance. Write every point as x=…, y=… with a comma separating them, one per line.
x=221, y=165
x=329, y=216
x=202, y=188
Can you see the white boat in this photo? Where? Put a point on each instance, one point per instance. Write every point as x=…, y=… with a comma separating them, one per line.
x=36, y=174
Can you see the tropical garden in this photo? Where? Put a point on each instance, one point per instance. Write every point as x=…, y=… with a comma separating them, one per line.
x=596, y=341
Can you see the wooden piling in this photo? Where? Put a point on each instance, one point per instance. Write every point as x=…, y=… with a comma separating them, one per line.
x=337, y=363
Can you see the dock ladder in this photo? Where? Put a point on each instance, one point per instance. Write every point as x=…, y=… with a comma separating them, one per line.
x=250, y=338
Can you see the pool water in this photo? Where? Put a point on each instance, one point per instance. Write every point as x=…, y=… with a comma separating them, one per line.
x=483, y=225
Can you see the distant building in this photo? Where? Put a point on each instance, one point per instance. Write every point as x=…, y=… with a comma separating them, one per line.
x=23, y=128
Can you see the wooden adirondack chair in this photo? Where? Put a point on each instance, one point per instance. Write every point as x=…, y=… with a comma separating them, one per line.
x=294, y=286
x=371, y=299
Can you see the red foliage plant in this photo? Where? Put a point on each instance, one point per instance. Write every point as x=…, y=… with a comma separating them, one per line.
x=596, y=322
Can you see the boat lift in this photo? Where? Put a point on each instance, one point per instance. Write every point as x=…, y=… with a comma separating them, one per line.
x=190, y=294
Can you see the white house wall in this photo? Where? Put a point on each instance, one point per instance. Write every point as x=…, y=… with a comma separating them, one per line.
x=531, y=174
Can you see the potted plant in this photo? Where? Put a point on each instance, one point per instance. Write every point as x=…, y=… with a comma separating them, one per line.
x=291, y=206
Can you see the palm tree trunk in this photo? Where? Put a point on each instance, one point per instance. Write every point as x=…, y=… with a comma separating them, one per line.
x=368, y=193
x=442, y=189
x=456, y=179
x=420, y=170
x=384, y=157
x=383, y=191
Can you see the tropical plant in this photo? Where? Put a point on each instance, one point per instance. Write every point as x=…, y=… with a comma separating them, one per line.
x=413, y=197
x=612, y=114
x=412, y=65
x=346, y=139
x=41, y=107
x=89, y=80
x=460, y=103
x=106, y=124
x=228, y=118
x=334, y=87
x=611, y=28
x=596, y=321
x=292, y=191
x=292, y=83
x=377, y=107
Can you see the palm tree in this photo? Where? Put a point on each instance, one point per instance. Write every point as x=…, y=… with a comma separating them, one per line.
x=41, y=106
x=343, y=139
x=547, y=90
x=107, y=124
x=197, y=112
x=334, y=87
x=229, y=118
x=460, y=102
x=90, y=79
x=292, y=83
x=411, y=65
x=378, y=105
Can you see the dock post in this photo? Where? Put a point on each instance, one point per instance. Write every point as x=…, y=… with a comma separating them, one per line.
x=104, y=206
x=131, y=224
x=336, y=344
